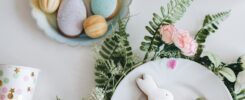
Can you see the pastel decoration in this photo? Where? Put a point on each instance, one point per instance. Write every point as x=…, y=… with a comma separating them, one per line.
x=2, y=97
x=16, y=76
x=71, y=15
x=16, y=88
x=171, y=64
x=4, y=90
x=105, y=8
x=6, y=80
x=95, y=26
x=150, y=88
x=26, y=78
x=49, y=6
x=19, y=91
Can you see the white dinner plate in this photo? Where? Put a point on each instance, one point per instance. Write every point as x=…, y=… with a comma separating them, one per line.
x=187, y=80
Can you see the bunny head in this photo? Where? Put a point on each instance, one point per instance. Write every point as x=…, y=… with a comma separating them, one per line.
x=150, y=88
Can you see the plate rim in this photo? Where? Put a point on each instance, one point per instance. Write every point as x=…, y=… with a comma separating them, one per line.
x=177, y=59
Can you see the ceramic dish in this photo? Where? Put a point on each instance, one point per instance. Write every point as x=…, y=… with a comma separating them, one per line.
x=187, y=80
x=48, y=24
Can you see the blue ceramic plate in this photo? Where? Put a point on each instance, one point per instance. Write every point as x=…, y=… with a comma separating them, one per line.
x=47, y=23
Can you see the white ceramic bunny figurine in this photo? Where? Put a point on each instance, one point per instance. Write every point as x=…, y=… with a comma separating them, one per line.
x=149, y=87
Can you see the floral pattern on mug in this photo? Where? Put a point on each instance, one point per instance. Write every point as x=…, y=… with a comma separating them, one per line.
x=17, y=82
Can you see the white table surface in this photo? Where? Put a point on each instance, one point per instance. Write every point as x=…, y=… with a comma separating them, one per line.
x=68, y=71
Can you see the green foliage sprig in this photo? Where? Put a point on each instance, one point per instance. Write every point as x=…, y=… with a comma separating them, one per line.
x=115, y=61
x=116, y=58
x=210, y=25
x=169, y=15
x=96, y=94
x=117, y=50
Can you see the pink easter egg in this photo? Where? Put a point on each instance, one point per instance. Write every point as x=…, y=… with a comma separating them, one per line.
x=171, y=64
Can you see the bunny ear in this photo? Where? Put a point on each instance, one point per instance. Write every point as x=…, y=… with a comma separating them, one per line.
x=147, y=77
x=150, y=79
x=141, y=84
x=139, y=81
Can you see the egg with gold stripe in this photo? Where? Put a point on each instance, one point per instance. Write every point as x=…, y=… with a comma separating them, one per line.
x=95, y=26
x=49, y=6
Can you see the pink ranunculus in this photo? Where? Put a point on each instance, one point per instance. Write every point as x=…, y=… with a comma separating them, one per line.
x=185, y=43
x=167, y=32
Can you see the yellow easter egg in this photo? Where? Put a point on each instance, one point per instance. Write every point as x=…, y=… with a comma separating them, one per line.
x=49, y=6
x=95, y=26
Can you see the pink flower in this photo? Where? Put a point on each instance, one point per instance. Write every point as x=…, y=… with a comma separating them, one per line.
x=185, y=43
x=167, y=32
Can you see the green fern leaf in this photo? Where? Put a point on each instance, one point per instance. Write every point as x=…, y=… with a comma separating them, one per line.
x=173, y=12
x=210, y=25
x=116, y=57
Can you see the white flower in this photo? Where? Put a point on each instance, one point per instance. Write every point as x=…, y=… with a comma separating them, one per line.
x=240, y=83
x=96, y=94
x=242, y=61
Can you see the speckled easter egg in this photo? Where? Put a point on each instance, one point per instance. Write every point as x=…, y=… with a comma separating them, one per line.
x=105, y=8
x=49, y=6
x=70, y=17
x=95, y=26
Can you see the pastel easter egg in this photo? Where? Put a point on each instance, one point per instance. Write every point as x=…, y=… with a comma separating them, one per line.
x=105, y=8
x=49, y=6
x=95, y=26
x=71, y=15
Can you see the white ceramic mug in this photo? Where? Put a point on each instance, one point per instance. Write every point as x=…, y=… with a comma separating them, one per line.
x=17, y=82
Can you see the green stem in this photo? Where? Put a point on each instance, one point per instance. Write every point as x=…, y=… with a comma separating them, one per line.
x=146, y=56
x=233, y=64
x=199, y=52
x=105, y=88
x=155, y=56
x=242, y=98
x=241, y=92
